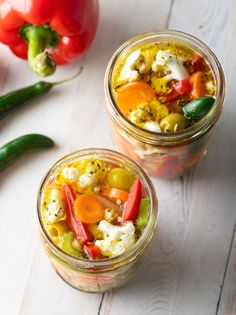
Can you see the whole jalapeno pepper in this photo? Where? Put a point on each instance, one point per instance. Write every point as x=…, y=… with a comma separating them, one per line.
x=13, y=150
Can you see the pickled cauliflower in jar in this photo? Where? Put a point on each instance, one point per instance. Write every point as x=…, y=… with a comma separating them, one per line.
x=93, y=209
x=164, y=87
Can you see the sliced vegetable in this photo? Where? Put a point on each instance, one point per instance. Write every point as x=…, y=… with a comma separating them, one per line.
x=198, y=86
x=120, y=178
x=174, y=122
x=88, y=209
x=92, y=251
x=142, y=219
x=66, y=244
x=107, y=203
x=16, y=99
x=131, y=208
x=197, y=63
x=79, y=229
x=115, y=194
x=13, y=150
x=198, y=107
x=180, y=88
x=133, y=93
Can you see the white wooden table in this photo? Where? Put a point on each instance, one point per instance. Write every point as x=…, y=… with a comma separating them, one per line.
x=191, y=266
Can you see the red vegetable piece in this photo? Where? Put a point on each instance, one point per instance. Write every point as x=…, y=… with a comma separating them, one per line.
x=79, y=229
x=92, y=250
x=74, y=21
x=197, y=63
x=179, y=88
x=131, y=208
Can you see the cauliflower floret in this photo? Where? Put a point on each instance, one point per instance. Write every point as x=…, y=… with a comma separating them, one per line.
x=55, y=209
x=160, y=85
x=138, y=62
x=127, y=73
x=93, y=173
x=148, y=112
x=88, y=179
x=116, y=239
x=141, y=113
x=173, y=63
x=152, y=126
x=70, y=173
x=144, y=62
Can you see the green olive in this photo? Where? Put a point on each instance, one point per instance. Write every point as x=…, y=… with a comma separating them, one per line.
x=174, y=122
x=120, y=178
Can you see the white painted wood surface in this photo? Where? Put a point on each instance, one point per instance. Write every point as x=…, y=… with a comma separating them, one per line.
x=191, y=266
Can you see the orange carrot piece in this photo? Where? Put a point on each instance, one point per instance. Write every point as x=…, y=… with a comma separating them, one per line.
x=133, y=93
x=115, y=193
x=88, y=209
x=198, y=85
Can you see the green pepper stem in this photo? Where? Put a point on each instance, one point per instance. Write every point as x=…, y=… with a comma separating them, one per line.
x=39, y=38
x=67, y=79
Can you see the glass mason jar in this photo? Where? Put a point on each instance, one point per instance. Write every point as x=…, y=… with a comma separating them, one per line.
x=104, y=274
x=163, y=155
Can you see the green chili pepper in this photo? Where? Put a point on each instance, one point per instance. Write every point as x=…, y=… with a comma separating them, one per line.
x=17, y=98
x=198, y=107
x=14, y=149
x=142, y=219
x=66, y=244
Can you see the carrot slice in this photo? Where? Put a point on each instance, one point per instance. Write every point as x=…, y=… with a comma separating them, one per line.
x=88, y=209
x=198, y=85
x=115, y=193
x=133, y=93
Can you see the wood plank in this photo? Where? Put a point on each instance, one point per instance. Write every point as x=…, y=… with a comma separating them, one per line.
x=184, y=271
x=84, y=95
x=227, y=299
x=46, y=293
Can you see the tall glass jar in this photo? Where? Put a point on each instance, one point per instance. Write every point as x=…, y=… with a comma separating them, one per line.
x=163, y=155
x=104, y=274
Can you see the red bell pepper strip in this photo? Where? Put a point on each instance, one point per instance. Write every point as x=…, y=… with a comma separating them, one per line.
x=131, y=208
x=48, y=32
x=79, y=229
x=197, y=63
x=92, y=250
x=179, y=88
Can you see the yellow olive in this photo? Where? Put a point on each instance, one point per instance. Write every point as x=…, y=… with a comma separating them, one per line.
x=174, y=122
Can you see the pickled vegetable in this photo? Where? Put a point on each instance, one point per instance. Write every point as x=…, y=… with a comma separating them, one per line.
x=198, y=107
x=120, y=178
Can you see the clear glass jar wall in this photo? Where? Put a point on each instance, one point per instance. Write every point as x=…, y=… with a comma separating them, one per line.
x=104, y=274
x=163, y=155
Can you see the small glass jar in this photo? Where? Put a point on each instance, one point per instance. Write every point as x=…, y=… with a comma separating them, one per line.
x=104, y=274
x=163, y=155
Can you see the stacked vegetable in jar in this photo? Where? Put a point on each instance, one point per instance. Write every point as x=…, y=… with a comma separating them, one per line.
x=94, y=209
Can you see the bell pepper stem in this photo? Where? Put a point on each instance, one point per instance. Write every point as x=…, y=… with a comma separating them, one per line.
x=39, y=38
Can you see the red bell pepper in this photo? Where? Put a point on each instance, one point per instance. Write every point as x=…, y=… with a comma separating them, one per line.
x=79, y=229
x=49, y=32
x=92, y=250
x=197, y=63
x=179, y=88
x=131, y=208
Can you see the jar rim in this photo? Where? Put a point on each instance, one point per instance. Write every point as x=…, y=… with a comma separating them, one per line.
x=195, y=131
x=130, y=253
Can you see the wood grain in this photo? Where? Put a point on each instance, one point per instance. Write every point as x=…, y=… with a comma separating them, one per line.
x=190, y=265
x=185, y=270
